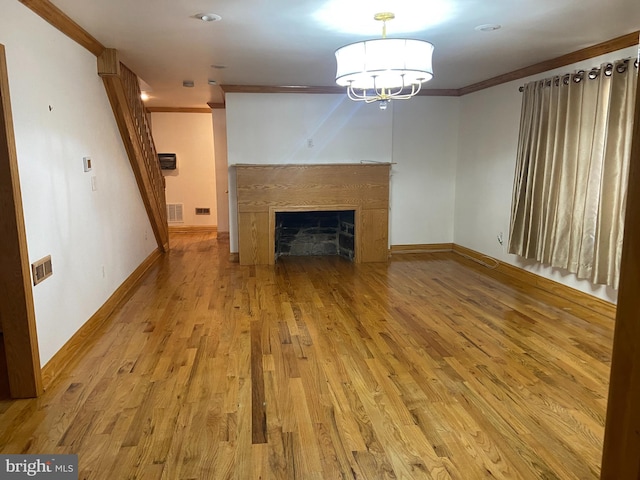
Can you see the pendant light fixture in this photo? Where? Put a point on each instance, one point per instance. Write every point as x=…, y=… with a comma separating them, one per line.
x=384, y=69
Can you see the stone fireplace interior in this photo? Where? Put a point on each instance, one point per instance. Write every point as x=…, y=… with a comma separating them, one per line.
x=315, y=233
x=265, y=192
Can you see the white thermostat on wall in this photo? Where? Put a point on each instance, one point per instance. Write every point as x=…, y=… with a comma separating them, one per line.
x=86, y=161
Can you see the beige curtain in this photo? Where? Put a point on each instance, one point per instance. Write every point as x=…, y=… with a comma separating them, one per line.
x=571, y=171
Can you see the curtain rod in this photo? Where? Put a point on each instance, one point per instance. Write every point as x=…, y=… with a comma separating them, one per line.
x=593, y=74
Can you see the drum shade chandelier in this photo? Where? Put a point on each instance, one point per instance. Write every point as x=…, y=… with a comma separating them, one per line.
x=384, y=69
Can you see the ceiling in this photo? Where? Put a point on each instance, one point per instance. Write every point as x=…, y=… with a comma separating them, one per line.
x=292, y=42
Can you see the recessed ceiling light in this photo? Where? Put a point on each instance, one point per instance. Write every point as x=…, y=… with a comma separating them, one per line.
x=208, y=17
x=488, y=27
x=212, y=82
x=187, y=83
x=144, y=96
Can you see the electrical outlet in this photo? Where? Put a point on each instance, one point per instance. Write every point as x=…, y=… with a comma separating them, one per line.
x=500, y=239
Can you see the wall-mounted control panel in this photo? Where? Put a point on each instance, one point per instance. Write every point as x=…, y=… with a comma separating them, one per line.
x=167, y=161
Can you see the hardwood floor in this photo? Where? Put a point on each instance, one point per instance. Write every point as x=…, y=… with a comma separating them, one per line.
x=423, y=368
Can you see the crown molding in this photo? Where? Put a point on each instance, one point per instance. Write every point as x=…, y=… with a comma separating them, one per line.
x=609, y=46
x=333, y=89
x=280, y=89
x=439, y=92
x=178, y=110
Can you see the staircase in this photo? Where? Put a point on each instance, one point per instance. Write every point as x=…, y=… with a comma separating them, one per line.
x=123, y=91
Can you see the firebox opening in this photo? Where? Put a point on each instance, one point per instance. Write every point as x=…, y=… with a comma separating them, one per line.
x=303, y=233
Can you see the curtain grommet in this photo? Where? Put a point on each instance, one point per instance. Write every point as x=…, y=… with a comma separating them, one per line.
x=608, y=70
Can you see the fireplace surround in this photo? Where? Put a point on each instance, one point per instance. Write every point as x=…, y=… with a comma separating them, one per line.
x=265, y=190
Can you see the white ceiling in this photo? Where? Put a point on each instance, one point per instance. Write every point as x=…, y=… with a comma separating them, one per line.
x=292, y=42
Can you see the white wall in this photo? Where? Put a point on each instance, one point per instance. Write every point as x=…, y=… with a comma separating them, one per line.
x=193, y=182
x=61, y=114
x=489, y=123
x=302, y=129
x=419, y=136
x=276, y=128
x=425, y=146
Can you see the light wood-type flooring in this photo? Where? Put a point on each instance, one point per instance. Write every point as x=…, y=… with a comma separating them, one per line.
x=317, y=368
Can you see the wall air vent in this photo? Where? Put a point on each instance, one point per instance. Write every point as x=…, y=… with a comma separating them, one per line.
x=174, y=212
x=41, y=269
x=203, y=211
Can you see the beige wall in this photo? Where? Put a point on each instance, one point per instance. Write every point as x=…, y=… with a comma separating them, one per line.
x=193, y=182
x=222, y=172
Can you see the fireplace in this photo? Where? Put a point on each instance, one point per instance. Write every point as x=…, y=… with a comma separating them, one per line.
x=263, y=192
x=315, y=233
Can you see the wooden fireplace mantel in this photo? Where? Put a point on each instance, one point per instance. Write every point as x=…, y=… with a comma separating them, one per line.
x=263, y=190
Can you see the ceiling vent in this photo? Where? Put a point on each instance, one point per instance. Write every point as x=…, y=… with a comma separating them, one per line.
x=174, y=212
